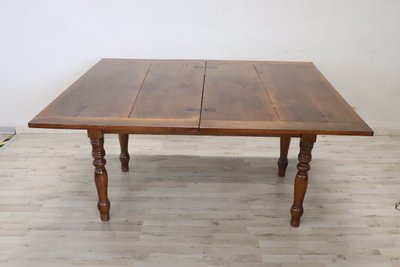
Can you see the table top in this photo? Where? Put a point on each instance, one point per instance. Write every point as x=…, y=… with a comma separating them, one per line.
x=210, y=97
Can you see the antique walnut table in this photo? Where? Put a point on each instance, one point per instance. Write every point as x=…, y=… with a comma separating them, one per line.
x=203, y=97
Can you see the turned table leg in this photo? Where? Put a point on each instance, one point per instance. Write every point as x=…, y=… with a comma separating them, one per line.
x=301, y=179
x=283, y=161
x=100, y=173
x=124, y=156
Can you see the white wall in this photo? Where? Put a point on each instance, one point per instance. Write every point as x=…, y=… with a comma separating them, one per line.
x=46, y=44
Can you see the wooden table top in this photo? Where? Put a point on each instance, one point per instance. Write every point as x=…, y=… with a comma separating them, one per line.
x=256, y=98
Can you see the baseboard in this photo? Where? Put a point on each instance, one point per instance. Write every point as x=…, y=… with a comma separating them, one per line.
x=7, y=130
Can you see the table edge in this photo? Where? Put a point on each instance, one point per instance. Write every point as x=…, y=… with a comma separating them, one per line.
x=215, y=131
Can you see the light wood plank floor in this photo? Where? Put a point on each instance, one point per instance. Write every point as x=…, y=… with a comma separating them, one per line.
x=198, y=201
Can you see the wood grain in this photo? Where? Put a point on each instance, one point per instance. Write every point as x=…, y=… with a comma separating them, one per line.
x=108, y=89
x=233, y=92
x=171, y=93
x=254, y=98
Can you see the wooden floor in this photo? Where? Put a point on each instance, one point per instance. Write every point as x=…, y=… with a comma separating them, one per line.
x=198, y=201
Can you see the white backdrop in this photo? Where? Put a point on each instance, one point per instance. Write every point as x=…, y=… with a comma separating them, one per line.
x=46, y=44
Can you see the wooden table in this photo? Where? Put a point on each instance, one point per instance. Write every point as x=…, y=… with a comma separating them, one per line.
x=199, y=97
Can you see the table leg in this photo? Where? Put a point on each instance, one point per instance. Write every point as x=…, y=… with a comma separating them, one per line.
x=100, y=173
x=283, y=161
x=301, y=180
x=124, y=156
